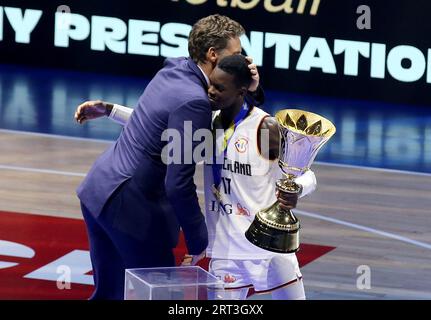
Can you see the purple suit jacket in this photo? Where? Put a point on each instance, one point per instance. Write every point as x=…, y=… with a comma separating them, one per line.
x=177, y=93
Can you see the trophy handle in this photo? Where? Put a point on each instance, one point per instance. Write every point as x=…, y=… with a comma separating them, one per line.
x=289, y=186
x=276, y=229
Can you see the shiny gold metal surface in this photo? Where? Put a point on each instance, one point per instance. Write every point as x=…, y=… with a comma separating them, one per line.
x=302, y=134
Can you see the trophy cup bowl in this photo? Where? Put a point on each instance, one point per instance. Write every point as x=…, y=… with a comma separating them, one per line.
x=302, y=134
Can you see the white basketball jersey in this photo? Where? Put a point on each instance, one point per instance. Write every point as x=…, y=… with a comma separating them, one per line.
x=247, y=186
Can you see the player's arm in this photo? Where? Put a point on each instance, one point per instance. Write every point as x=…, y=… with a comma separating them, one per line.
x=95, y=109
x=268, y=138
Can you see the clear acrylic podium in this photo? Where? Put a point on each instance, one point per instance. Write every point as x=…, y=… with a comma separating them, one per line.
x=175, y=283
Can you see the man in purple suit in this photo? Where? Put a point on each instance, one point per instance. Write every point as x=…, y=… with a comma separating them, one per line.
x=132, y=202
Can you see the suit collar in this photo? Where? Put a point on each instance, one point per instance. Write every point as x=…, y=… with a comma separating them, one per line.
x=205, y=76
x=198, y=71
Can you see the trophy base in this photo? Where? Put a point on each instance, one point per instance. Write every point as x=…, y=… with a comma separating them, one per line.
x=272, y=239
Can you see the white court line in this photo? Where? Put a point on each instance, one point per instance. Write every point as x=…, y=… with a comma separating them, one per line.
x=63, y=173
x=415, y=173
x=304, y=213
x=364, y=228
x=53, y=136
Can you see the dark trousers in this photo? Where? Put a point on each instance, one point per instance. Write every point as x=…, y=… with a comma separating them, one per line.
x=113, y=250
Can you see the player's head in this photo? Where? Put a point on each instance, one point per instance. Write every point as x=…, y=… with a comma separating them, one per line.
x=213, y=38
x=229, y=82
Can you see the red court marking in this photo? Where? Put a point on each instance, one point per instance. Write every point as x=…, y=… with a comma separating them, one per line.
x=306, y=254
x=54, y=237
x=51, y=238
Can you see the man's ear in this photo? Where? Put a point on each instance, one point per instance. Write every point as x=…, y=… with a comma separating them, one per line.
x=211, y=55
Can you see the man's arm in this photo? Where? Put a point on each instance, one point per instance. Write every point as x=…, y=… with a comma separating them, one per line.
x=120, y=114
x=179, y=183
x=90, y=110
x=255, y=95
x=95, y=109
x=255, y=98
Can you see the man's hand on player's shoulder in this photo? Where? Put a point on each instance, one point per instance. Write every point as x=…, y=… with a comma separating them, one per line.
x=91, y=110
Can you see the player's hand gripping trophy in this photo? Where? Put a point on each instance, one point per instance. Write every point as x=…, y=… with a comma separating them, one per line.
x=302, y=134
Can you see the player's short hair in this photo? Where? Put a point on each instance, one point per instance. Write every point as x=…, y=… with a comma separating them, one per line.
x=237, y=65
x=212, y=31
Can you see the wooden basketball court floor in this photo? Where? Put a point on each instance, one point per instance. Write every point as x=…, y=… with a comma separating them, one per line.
x=378, y=220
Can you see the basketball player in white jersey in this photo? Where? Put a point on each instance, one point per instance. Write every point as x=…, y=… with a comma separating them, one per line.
x=239, y=182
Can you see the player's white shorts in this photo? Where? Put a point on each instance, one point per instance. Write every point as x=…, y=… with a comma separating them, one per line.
x=263, y=275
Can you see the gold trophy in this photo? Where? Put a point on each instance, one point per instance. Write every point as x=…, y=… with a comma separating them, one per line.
x=302, y=134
